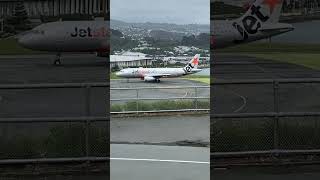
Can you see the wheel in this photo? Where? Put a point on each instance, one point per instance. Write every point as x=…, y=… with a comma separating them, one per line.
x=57, y=62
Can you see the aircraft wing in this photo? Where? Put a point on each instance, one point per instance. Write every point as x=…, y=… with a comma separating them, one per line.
x=276, y=27
x=157, y=75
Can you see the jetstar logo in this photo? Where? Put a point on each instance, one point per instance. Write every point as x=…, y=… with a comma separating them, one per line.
x=89, y=32
x=252, y=22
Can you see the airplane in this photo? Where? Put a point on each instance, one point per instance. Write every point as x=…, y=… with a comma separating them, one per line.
x=68, y=36
x=261, y=21
x=154, y=74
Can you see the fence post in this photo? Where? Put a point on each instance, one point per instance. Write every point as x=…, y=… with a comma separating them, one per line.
x=196, y=97
x=137, y=101
x=276, y=117
x=88, y=113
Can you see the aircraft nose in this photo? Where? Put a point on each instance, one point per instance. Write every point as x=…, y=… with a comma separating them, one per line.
x=24, y=41
x=118, y=73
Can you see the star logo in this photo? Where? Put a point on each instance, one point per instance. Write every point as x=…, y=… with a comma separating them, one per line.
x=195, y=61
x=272, y=4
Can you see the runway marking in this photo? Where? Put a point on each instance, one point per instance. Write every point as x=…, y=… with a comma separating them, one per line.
x=244, y=100
x=161, y=160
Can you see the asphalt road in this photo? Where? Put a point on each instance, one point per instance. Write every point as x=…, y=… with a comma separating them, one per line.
x=144, y=162
x=235, y=66
x=37, y=69
x=192, y=130
x=259, y=98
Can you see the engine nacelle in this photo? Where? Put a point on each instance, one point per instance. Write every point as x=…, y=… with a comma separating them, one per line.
x=149, y=78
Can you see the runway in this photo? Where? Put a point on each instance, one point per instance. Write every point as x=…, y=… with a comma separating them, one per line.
x=157, y=93
x=37, y=69
x=136, y=162
x=16, y=69
x=259, y=98
x=239, y=66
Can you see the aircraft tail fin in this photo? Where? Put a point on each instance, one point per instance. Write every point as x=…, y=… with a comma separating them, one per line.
x=193, y=64
x=268, y=11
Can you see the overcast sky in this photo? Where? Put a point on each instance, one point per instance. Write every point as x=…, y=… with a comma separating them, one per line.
x=161, y=11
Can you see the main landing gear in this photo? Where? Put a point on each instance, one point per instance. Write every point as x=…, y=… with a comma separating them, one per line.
x=57, y=61
x=157, y=80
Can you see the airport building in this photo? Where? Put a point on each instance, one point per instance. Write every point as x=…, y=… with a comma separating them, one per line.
x=130, y=59
x=38, y=8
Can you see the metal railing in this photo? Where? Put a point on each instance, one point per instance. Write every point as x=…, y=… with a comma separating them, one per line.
x=139, y=100
x=268, y=133
x=55, y=132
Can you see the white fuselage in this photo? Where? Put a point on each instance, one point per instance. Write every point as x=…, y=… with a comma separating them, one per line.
x=154, y=72
x=224, y=34
x=68, y=36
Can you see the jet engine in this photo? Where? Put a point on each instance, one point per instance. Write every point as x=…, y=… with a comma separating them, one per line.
x=149, y=78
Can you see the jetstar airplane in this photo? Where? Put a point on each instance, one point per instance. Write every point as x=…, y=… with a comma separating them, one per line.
x=68, y=36
x=154, y=74
x=261, y=21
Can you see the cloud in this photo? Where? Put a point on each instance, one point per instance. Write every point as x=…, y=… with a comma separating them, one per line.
x=164, y=11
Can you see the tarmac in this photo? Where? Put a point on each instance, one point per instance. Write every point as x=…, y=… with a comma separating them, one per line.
x=184, y=89
x=38, y=69
x=137, y=162
x=258, y=98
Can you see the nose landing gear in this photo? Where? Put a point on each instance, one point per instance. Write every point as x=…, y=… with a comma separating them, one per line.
x=57, y=61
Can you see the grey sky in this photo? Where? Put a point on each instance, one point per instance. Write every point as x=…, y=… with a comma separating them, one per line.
x=163, y=11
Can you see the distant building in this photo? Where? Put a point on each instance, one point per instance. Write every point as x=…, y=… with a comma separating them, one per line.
x=38, y=8
x=130, y=59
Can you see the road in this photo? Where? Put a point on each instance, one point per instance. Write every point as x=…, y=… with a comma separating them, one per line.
x=193, y=130
x=144, y=162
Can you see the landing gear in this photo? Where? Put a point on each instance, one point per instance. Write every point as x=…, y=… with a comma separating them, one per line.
x=157, y=80
x=57, y=61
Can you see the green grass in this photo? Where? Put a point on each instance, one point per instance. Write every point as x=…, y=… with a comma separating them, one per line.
x=199, y=78
x=114, y=76
x=11, y=47
x=205, y=80
x=305, y=59
x=160, y=105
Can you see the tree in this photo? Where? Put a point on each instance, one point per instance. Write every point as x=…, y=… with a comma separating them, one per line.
x=19, y=20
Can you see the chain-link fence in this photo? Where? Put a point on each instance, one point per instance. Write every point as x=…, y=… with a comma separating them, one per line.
x=289, y=122
x=84, y=137
x=160, y=99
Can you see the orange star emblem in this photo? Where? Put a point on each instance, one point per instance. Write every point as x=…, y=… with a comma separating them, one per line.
x=272, y=4
x=195, y=61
